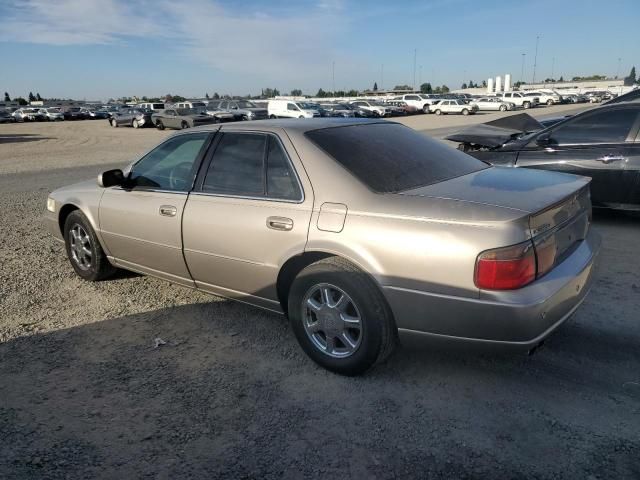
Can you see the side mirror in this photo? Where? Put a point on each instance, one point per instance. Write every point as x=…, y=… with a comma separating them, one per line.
x=111, y=178
x=543, y=140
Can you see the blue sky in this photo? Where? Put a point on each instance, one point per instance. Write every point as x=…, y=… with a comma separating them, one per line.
x=96, y=49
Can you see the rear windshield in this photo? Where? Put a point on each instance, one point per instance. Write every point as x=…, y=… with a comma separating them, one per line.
x=391, y=158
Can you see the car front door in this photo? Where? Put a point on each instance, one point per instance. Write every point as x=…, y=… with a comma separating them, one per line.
x=599, y=144
x=140, y=222
x=249, y=213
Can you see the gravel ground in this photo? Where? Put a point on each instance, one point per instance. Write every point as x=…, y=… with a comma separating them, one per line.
x=84, y=393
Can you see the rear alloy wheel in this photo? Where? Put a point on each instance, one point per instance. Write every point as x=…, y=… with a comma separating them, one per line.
x=135, y=123
x=184, y=125
x=113, y=122
x=549, y=102
x=438, y=112
x=465, y=111
x=83, y=249
x=340, y=317
x=527, y=105
x=503, y=108
x=160, y=125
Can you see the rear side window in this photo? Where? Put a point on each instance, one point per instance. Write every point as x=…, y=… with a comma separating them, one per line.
x=612, y=126
x=391, y=158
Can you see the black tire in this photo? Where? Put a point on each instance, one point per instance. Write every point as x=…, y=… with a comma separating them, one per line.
x=113, y=123
x=301, y=116
x=98, y=268
x=184, y=125
x=272, y=116
x=425, y=108
x=377, y=335
x=160, y=125
x=134, y=123
x=527, y=105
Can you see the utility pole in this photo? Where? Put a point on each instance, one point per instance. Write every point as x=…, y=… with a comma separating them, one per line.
x=535, y=60
x=415, y=54
x=382, y=77
x=333, y=77
x=420, y=77
x=618, y=70
x=553, y=65
x=522, y=71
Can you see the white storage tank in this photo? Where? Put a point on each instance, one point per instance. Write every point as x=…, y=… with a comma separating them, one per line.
x=507, y=82
x=498, y=84
x=490, y=85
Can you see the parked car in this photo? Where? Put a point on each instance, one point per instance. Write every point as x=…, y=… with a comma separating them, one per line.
x=595, y=97
x=291, y=109
x=631, y=96
x=244, y=109
x=6, y=117
x=574, y=98
x=52, y=114
x=155, y=106
x=492, y=104
x=519, y=99
x=547, y=98
x=338, y=110
x=415, y=100
x=404, y=107
x=200, y=106
x=214, y=109
x=454, y=106
x=132, y=117
x=73, y=113
x=28, y=115
x=181, y=118
x=357, y=111
x=99, y=114
x=288, y=216
x=376, y=108
x=602, y=143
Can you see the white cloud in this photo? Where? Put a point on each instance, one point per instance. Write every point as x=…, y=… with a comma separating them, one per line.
x=296, y=45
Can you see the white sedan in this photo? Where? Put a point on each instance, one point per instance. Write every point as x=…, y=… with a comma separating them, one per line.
x=492, y=104
x=453, y=106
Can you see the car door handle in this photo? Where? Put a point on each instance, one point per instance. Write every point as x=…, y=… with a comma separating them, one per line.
x=280, y=223
x=611, y=158
x=168, y=210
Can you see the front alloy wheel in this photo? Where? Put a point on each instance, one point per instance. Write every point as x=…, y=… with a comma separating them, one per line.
x=80, y=247
x=332, y=320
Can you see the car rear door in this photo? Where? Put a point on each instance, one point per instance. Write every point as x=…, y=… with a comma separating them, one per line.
x=599, y=144
x=140, y=222
x=249, y=213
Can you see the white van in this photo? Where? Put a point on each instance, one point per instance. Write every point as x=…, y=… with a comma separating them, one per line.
x=291, y=109
x=151, y=106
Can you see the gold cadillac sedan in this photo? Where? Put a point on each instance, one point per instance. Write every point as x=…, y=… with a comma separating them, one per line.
x=362, y=232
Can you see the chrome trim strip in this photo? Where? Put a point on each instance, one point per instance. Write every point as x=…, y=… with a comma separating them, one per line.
x=209, y=254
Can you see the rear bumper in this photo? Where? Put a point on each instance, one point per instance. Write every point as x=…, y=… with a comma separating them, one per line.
x=519, y=318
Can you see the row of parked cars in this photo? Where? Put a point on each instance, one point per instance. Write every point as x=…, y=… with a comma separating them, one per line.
x=51, y=114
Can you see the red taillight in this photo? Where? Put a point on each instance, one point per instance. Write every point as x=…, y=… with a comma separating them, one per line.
x=506, y=268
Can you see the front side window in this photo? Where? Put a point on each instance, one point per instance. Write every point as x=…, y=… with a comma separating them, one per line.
x=251, y=165
x=611, y=126
x=172, y=166
x=291, y=106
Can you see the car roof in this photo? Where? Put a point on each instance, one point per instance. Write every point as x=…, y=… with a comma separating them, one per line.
x=291, y=124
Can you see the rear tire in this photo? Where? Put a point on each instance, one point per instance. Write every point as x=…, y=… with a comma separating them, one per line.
x=184, y=125
x=503, y=108
x=113, y=122
x=160, y=125
x=272, y=116
x=465, y=111
x=425, y=109
x=549, y=102
x=84, y=250
x=347, y=347
x=527, y=105
x=438, y=112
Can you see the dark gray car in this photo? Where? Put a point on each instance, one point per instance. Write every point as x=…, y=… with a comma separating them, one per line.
x=181, y=118
x=244, y=110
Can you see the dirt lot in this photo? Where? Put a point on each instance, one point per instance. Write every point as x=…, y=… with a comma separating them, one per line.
x=84, y=393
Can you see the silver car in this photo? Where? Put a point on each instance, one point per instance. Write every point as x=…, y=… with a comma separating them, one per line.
x=360, y=231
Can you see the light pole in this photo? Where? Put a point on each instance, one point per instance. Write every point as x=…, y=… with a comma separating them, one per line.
x=553, y=64
x=618, y=70
x=382, y=77
x=535, y=60
x=415, y=54
x=333, y=77
x=420, y=77
x=522, y=71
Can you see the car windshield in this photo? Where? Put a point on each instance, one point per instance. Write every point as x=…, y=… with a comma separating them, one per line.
x=246, y=104
x=391, y=158
x=212, y=105
x=306, y=105
x=197, y=104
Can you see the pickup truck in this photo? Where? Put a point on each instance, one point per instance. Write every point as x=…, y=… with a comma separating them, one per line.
x=519, y=99
x=415, y=100
x=544, y=97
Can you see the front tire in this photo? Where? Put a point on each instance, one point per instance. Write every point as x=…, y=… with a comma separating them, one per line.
x=549, y=102
x=503, y=108
x=84, y=250
x=160, y=125
x=527, y=105
x=425, y=109
x=340, y=317
x=465, y=111
x=113, y=123
x=184, y=125
x=438, y=112
x=135, y=123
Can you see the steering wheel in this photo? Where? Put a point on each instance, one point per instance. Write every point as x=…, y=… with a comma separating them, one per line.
x=179, y=175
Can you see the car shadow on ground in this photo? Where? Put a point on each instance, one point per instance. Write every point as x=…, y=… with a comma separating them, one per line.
x=22, y=137
x=220, y=389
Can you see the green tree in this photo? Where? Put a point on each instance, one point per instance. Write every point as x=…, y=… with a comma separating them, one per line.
x=631, y=79
x=426, y=88
x=403, y=87
x=216, y=96
x=21, y=101
x=375, y=86
x=352, y=93
x=464, y=85
x=7, y=98
x=206, y=95
x=296, y=92
x=321, y=93
x=38, y=97
x=31, y=97
x=445, y=89
x=484, y=84
x=561, y=79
